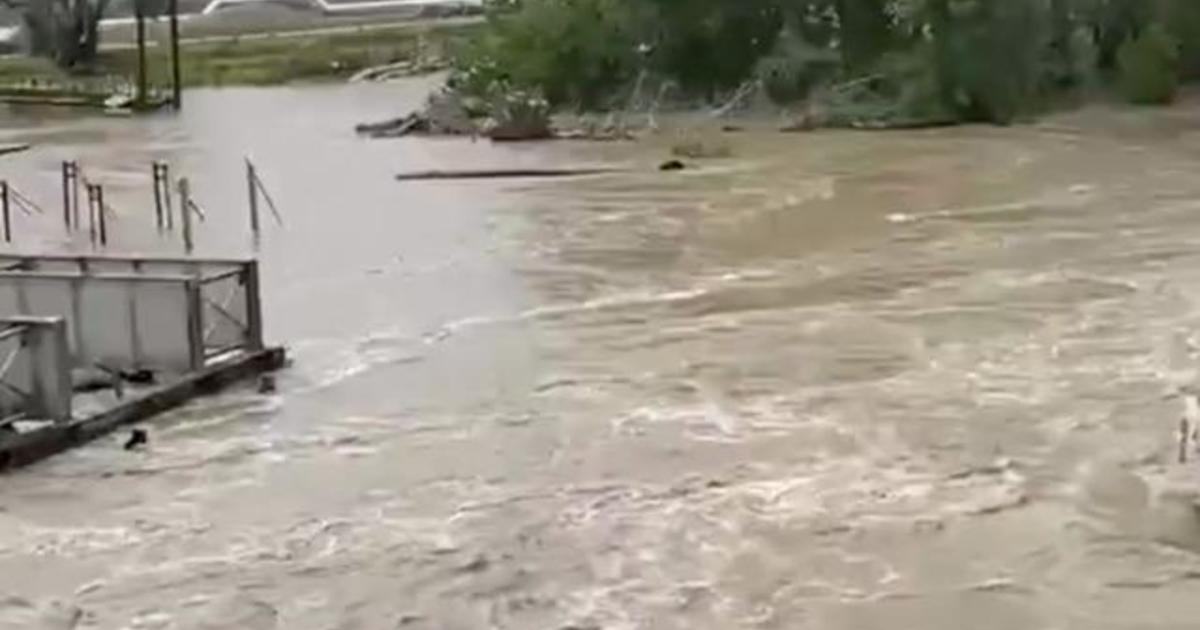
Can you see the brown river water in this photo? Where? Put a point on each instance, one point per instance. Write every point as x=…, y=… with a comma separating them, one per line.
x=844, y=381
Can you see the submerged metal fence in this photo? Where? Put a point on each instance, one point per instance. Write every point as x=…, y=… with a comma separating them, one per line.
x=129, y=313
x=35, y=376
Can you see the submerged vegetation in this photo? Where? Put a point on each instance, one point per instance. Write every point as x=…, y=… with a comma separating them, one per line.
x=872, y=62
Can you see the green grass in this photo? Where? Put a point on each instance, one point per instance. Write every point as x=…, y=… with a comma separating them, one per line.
x=282, y=59
x=23, y=69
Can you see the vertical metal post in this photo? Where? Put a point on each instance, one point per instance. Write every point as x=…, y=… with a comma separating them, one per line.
x=158, y=201
x=101, y=217
x=66, y=193
x=45, y=343
x=6, y=208
x=252, y=187
x=195, y=321
x=185, y=213
x=61, y=367
x=54, y=368
x=91, y=195
x=167, y=205
x=142, y=80
x=76, y=321
x=76, y=180
x=135, y=329
x=32, y=345
x=176, y=82
x=250, y=284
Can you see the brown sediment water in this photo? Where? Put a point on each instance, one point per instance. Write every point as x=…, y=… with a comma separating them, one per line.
x=842, y=380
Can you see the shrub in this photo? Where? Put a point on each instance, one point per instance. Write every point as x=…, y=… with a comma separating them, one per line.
x=708, y=46
x=575, y=52
x=1148, y=67
x=1181, y=18
x=988, y=55
x=519, y=115
x=794, y=68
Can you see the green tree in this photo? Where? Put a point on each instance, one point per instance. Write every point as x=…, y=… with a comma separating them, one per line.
x=1148, y=66
x=67, y=31
x=709, y=45
x=976, y=60
x=1181, y=18
x=864, y=32
x=575, y=52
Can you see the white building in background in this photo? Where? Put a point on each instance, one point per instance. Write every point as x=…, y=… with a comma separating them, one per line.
x=12, y=39
x=12, y=31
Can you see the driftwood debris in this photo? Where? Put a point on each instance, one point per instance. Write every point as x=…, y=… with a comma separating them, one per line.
x=514, y=116
x=443, y=115
x=513, y=173
x=815, y=119
x=5, y=149
x=395, y=127
x=399, y=70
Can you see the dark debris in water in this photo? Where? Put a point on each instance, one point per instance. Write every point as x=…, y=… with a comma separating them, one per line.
x=478, y=564
x=137, y=439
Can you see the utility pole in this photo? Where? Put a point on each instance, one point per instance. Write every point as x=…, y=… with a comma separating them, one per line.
x=176, y=82
x=142, y=80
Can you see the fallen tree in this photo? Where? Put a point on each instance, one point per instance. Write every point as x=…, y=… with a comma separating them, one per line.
x=510, y=117
x=444, y=114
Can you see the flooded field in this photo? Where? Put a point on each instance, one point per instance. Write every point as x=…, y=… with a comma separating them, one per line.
x=840, y=381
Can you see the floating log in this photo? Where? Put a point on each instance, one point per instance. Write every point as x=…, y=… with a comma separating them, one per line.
x=5, y=149
x=914, y=124
x=513, y=173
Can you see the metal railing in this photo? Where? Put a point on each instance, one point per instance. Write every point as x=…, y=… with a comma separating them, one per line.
x=35, y=376
x=131, y=313
x=229, y=314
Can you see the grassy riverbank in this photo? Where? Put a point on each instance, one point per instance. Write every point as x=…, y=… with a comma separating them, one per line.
x=262, y=58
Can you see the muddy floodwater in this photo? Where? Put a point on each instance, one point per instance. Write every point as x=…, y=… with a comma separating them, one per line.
x=839, y=381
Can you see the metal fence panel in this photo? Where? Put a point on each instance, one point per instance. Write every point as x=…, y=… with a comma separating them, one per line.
x=35, y=379
x=132, y=313
x=162, y=323
x=225, y=318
